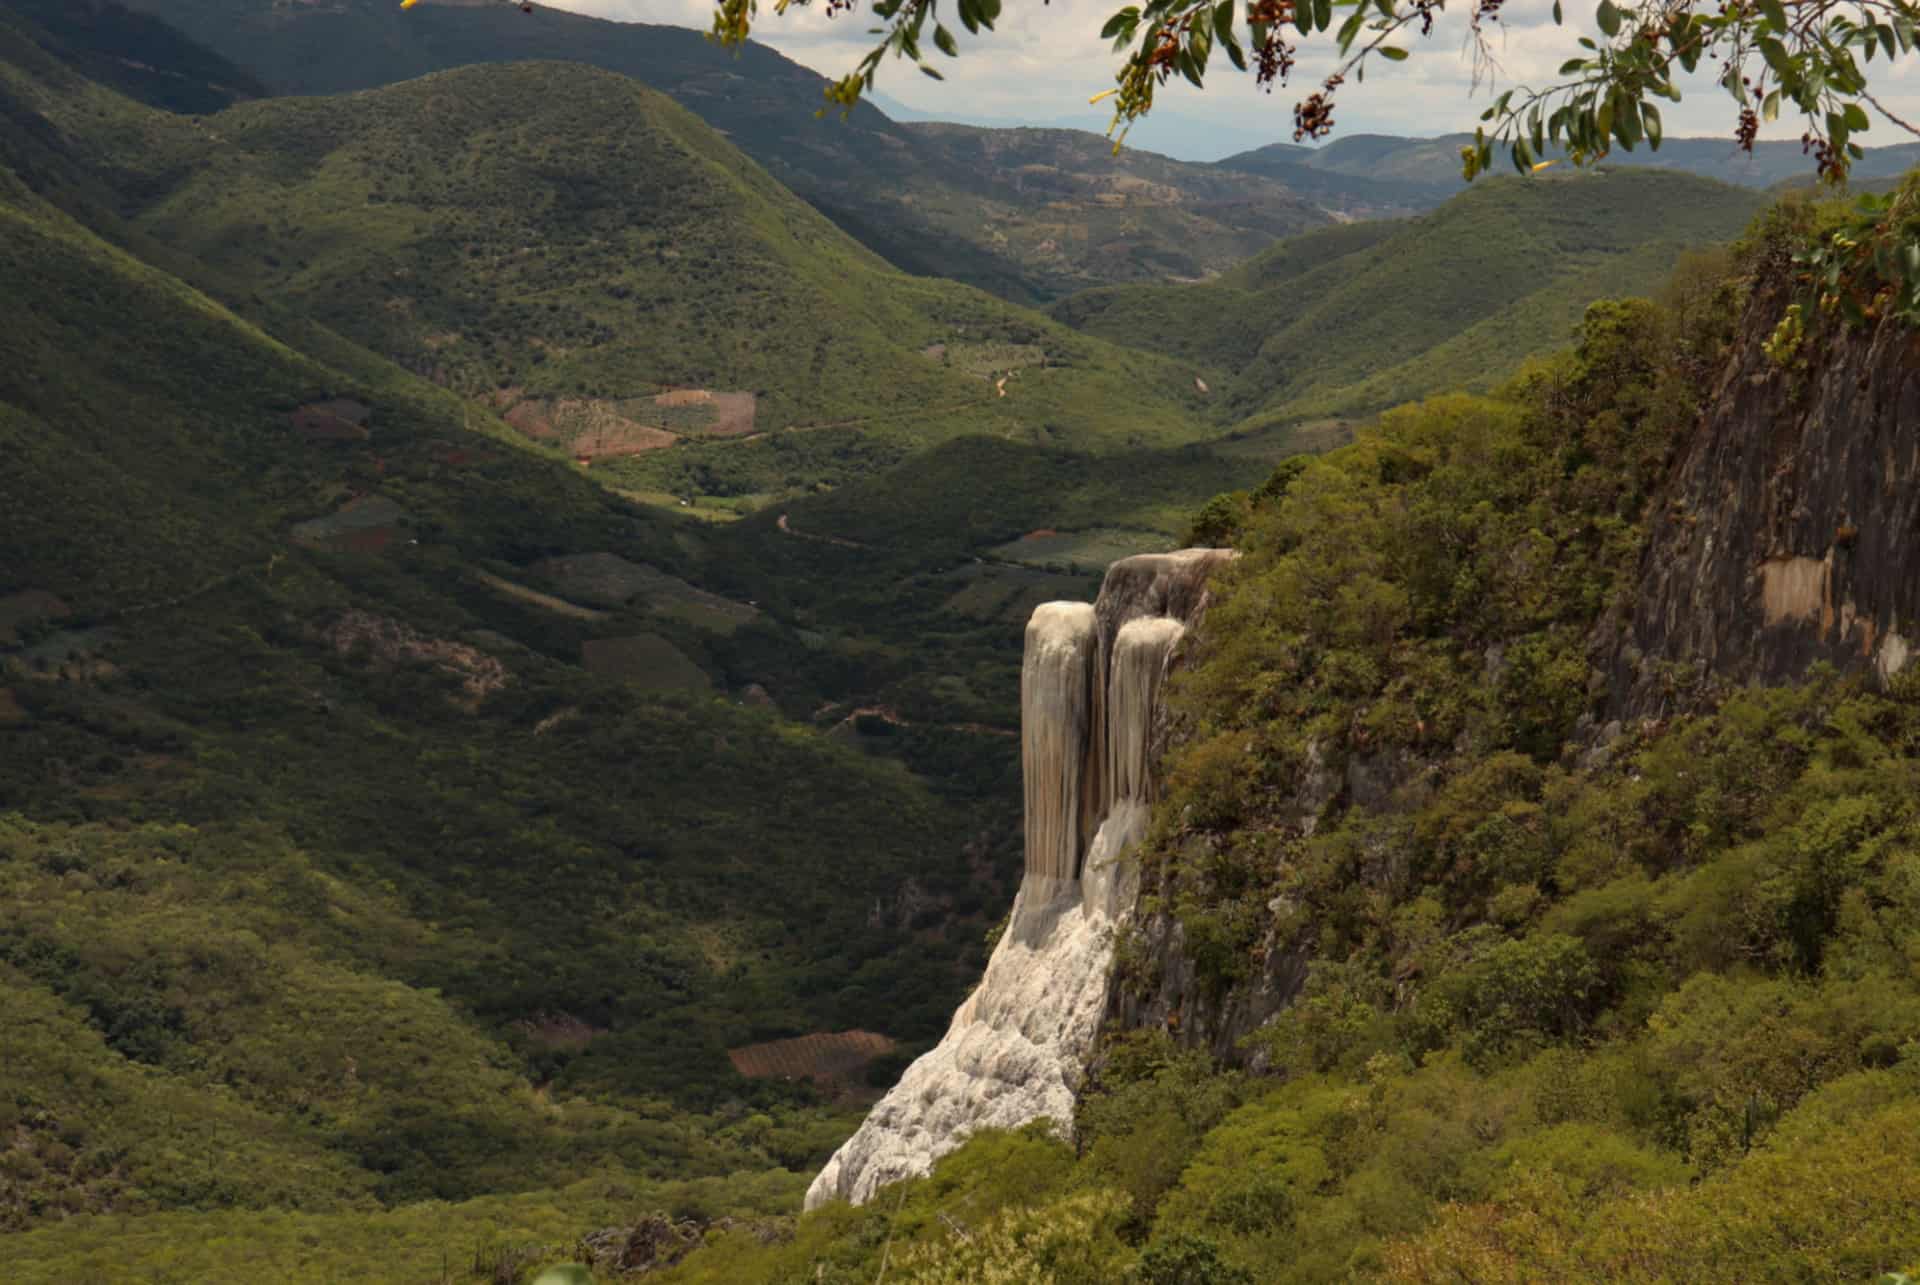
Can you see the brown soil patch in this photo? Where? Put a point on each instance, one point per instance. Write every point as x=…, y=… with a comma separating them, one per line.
x=733, y=413
x=1040, y=533
x=25, y=607
x=622, y=437
x=838, y=1056
x=11, y=711
x=531, y=418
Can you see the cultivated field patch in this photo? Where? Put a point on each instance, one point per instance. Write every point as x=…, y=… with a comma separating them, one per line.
x=520, y=592
x=593, y=428
x=608, y=580
x=993, y=591
x=364, y=524
x=1090, y=550
x=1275, y=443
x=647, y=661
x=838, y=1056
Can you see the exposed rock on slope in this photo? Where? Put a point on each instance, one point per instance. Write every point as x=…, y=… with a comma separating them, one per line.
x=1016, y=1051
x=1789, y=525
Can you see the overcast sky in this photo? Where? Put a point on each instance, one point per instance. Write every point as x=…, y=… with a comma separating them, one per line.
x=1045, y=60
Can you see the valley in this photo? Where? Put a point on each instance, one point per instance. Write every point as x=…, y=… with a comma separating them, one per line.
x=516, y=739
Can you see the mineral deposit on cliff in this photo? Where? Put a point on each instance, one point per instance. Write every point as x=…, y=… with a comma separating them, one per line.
x=1016, y=1050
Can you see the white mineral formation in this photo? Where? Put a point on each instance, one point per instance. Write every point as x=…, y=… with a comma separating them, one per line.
x=1016, y=1050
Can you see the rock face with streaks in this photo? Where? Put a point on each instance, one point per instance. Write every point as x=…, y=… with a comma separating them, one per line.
x=1016, y=1050
x=1786, y=534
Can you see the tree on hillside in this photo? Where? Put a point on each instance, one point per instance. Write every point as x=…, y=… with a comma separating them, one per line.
x=1809, y=57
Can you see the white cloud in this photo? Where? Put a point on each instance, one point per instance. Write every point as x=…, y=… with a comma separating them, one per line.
x=1045, y=60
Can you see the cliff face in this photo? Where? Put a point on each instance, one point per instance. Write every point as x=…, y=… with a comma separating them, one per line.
x=1785, y=535
x=1016, y=1050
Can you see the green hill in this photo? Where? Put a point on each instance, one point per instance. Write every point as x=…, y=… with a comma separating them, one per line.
x=611, y=274
x=1055, y=211
x=337, y=872
x=1350, y=321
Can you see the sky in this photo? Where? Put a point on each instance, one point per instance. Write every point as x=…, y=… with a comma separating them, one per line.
x=1045, y=60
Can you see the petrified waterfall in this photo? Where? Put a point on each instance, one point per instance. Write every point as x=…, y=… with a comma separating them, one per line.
x=1016, y=1050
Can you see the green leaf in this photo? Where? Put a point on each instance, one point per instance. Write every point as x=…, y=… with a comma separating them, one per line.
x=1127, y=18
x=1626, y=124
x=1856, y=117
x=1770, y=105
x=1391, y=53
x=1603, y=122
x=1572, y=65
x=1351, y=28
x=1323, y=14
x=1234, y=56
x=989, y=12
x=1776, y=55
x=1557, y=17
x=1608, y=18
x=931, y=71
x=943, y=40
x=1650, y=116
x=1775, y=13
x=1223, y=21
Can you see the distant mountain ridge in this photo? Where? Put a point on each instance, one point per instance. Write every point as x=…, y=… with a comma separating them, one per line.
x=1422, y=172
x=1349, y=321
x=913, y=193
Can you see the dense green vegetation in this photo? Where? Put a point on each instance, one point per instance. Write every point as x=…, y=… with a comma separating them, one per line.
x=398, y=826
x=332, y=879
x=1646, y=1009
x=1347, y=322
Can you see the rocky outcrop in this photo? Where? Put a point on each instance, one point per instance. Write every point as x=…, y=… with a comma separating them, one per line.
x=1787, y=530
x=1016, y=1050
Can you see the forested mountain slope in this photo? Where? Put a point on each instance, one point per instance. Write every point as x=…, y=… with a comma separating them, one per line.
x=1060, y=212
x=331, y=830
x=1348, y=321
x=601, y=268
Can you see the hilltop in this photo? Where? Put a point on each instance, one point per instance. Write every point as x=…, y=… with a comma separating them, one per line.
x=1057, y=213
